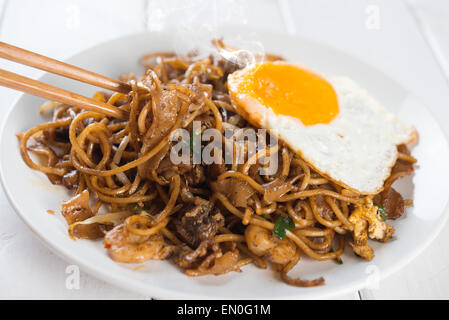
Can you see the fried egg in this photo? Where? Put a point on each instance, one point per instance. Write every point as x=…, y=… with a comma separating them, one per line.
x=329, y=120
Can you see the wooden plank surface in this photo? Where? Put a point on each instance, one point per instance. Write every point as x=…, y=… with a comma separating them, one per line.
x=399, y=45
x=427, y=276
x=432, y=18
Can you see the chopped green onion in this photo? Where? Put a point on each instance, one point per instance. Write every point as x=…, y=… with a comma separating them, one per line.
x=337, y=260
x=137, y=208
x=383, y=212
x=281, y=226
x=266, y=217
x=192, y=140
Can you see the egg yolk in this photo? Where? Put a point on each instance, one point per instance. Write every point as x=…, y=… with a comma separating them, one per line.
x=292, y=91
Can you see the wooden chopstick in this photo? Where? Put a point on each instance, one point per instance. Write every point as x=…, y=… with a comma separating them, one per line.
x=34, y=87
x=35, y=60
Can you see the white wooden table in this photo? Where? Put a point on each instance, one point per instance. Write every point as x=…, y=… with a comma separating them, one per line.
x=407, y=39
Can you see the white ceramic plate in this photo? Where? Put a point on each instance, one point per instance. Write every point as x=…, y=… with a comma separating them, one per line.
x=31, y=194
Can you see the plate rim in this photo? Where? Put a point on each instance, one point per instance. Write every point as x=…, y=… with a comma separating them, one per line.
x=162, y=293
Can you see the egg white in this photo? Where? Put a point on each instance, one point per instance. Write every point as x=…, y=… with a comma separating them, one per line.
x=357, y=149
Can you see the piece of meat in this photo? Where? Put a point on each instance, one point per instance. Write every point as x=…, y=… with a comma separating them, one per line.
x=193, y=174
x=168, y=106
x=198, y=222
x=215, y=169
x=71, y=179
x=237, y=191
x=377, y=228
x=77, y=209
x=62, y=135
x=165, y=117
x=221, y=265
x=161, y=162
x=165, y=165
x=185, y=257
x=59, y=134
x=393, y=203
x=368, y=223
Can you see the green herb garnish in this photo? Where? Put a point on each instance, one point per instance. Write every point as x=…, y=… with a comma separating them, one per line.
x=266, y=217
x=337, y=260
x=191, y=140
x=137, y=208
x=281, y=226
x=383, y=212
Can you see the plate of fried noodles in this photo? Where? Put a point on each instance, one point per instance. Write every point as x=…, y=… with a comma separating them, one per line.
x=104, y=193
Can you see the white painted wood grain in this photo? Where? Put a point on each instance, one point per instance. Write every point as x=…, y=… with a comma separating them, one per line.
x=2, y=9
x=28, y=270
x=61, y=28
x=432, y=17
x=427, y=276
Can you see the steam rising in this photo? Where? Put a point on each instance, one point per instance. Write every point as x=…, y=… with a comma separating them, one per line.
x=197, y=22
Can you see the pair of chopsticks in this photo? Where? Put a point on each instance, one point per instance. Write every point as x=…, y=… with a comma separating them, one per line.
x=34, y=87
